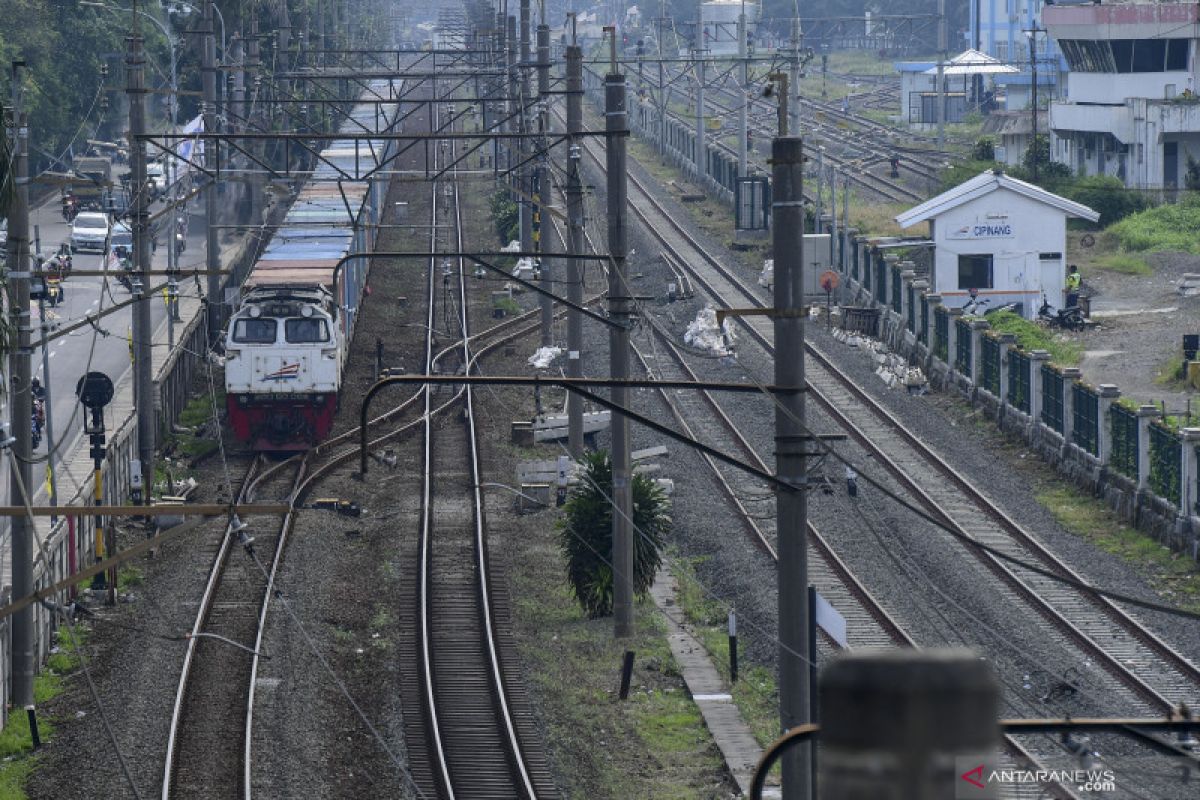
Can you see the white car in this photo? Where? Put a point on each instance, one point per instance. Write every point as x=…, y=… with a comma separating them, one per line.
x=156, y=177
x=89, y=232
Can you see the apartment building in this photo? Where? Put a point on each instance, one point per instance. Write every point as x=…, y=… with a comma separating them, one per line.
x=1130, y=107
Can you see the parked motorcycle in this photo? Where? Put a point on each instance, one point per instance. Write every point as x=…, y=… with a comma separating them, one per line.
x=975, y=307
x=1069, y=318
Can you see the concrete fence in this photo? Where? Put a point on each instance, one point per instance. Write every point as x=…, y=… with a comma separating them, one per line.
x=1146, y=469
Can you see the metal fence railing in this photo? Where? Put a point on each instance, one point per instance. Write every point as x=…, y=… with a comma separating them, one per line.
x=962, y=346
x=1124, y=456
x=1052, y=398
x=880, y=278
x=912, y=309
x=1085, y=422
x=989, y=364
x=923, y=333
x=896, y=289
x=941, y=332
x=1166, y=463
x=1019, y=379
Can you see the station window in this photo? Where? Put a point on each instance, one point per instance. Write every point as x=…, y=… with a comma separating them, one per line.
x=306, y=331
x=975, y=271
x=254, y=331
x=1050, y=256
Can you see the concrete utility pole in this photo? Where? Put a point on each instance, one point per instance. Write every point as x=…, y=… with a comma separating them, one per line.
x=212, y=253
x=1032, y=34
x=744, y=108
x=514, y=91
x=791, y=455
x=699, y=156
x=498, y=82
x=575, y=245
x=941, y=75
x=793, y=92
x=545, y=194
x=619, y=306
x=525, y=173
x=20, y=370
x=253, y=63
x=143, y=355
x=662, y=85
x=46, y=329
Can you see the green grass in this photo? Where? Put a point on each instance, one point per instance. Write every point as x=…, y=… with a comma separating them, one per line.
x=129, y=577
x=1172, y=574
x=755, y=692
x=655, y=743
x=196, y=414
x=1123, y=262
x=1031, y=336
x=16, y=743
x=1171, y=372
x=1171, y=226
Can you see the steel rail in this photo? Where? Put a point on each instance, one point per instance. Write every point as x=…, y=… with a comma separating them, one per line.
x=286, y=526
x=525, y=782
x=425, y=557
x=206, y=601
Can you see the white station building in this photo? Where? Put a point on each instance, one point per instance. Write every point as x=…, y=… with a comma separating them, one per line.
x=1003, y=237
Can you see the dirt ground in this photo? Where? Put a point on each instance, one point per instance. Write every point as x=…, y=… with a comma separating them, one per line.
x=1140, y=321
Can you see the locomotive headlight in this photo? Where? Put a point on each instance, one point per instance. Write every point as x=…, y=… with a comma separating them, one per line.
x=307, y=311
x=255, y=312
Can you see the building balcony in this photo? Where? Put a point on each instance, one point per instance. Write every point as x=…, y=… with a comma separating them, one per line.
x=1117, y=120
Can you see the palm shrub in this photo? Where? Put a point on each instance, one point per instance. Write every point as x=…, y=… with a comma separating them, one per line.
x=585, y=535
x=506, y=216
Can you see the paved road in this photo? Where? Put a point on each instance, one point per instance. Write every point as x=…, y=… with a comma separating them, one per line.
x=72, y=355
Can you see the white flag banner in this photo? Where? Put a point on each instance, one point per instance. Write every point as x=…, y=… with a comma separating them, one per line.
x=188, y=147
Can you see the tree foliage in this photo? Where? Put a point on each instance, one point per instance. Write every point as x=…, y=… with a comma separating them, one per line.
x=585, y=535
x=984, y=149
x=1191, y=178
x=1108, y=195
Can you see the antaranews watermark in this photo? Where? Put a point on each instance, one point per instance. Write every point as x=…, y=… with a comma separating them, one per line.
x=979, y=779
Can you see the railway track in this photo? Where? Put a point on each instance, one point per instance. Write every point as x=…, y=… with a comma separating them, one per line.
x=204, y=759
x=473, y=738
x=869, y=625
x=209, y=745
x=1128, y=664
x=871, y=144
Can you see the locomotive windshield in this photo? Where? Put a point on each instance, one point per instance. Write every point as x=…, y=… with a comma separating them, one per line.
x=254, y=331
x=303, y=331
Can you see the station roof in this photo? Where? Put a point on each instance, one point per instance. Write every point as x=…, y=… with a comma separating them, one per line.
x=984, y=184
x=973, y=62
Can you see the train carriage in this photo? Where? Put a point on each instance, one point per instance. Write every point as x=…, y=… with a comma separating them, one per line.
x=287, y=345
